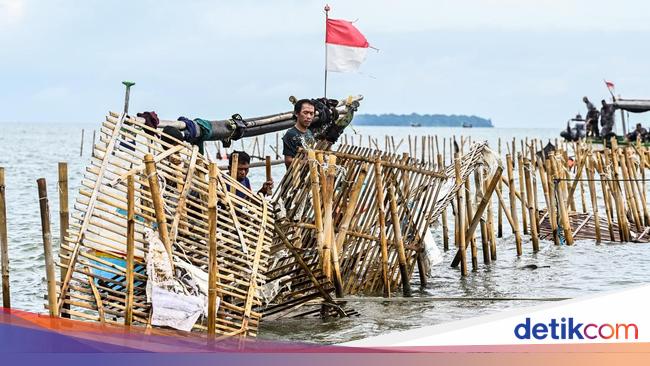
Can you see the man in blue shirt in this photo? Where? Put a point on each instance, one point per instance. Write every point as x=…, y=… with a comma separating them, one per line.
x=243, y=165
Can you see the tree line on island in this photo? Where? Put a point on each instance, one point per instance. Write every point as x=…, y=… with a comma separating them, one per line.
x=424, y=120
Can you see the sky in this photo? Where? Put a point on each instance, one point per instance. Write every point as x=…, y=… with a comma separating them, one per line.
x=519, y=63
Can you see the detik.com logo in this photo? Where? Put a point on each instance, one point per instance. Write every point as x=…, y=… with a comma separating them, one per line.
x=568, y=328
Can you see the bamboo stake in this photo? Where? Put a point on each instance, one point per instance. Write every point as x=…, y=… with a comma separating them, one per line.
x=479, y=213
x=445, y=225
x=592, y=195
x=156, y=197
x=480, y=196
x=47, y=247
x=327, y=196
x=212, y=251
x=64, y=221
x=399, y=242
x=316, y=201
x=490, y=226
x=234, y=167
x=531, y=207
x=606, y=198
x=468, y=218
x=523, y=201
x=629, y=193
x=130, y=249
x=499, y=213
x=460, y=217
x=379, y=188
x=81, y=148
x=562, y=202
x=92, y=151
x=4, y=244
x=513, y=207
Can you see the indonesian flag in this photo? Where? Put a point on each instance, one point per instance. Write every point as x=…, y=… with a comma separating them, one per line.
x=610, y=85
x=346, y=46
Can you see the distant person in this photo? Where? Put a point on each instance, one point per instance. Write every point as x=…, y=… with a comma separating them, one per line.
x=243, y=166
x=591, y=119
x=299, y=135
x=575, y=130
x=639, y=132
x=607, y=120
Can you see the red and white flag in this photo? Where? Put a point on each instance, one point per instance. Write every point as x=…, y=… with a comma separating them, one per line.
x=346, y=46
x=610, y=85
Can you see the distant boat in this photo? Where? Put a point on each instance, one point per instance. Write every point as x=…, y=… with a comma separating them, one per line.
x=416, y=124
x=467, y=125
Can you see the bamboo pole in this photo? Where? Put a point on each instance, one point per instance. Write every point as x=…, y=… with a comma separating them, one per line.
x=623, y=224
x=47, y=247
x=64, y=215
x=513, y=207
x=379, y=188
x=351, y=206
x=523, y=201
x=551, y=205
x=92, y=150
x=468, y=217
x=234, y=167
x=327, y=196
x=445, y=225
x=212, y=251
x=592, y=195
x=490, y=226
x=499, y=213
x=81, y=148
x=562, y=203
x=479, y=213
x=606, y=197
x=4, y=243
x=158, y=204
x=629, y=192
x=460, y=217
x=531, y=207
x=399, y=242
x=480, y=196
x=130, y=249
x=333, y=248
x=316, y=200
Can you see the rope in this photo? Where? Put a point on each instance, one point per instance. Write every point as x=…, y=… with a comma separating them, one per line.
x=600, y=179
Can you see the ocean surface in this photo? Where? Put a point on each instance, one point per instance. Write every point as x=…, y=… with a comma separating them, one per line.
x=29, y=151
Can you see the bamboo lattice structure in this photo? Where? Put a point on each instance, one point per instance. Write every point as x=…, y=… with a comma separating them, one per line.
x=358, y=222
x=171, y=197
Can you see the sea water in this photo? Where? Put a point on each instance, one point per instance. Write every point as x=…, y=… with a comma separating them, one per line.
x=29, y=151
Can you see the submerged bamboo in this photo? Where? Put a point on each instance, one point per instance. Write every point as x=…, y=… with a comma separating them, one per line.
x=47, y=247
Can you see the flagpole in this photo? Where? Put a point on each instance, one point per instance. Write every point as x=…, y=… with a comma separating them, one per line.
x=327, y=9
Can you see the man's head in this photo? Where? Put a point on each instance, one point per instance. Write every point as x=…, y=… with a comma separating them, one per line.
x=585, y=99
x=304, y=111
x=603, y=102
x=243, y=163
x=638, y=126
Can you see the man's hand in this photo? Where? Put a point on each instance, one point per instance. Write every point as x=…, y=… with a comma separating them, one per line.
x=267, y=188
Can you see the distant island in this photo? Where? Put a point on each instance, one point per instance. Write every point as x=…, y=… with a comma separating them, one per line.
x=424, y=120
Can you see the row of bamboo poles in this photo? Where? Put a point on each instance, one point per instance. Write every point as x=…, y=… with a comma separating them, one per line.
x=557, y=196
x=578, y=191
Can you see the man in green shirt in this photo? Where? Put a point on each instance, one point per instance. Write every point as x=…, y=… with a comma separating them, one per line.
x=299, y=135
